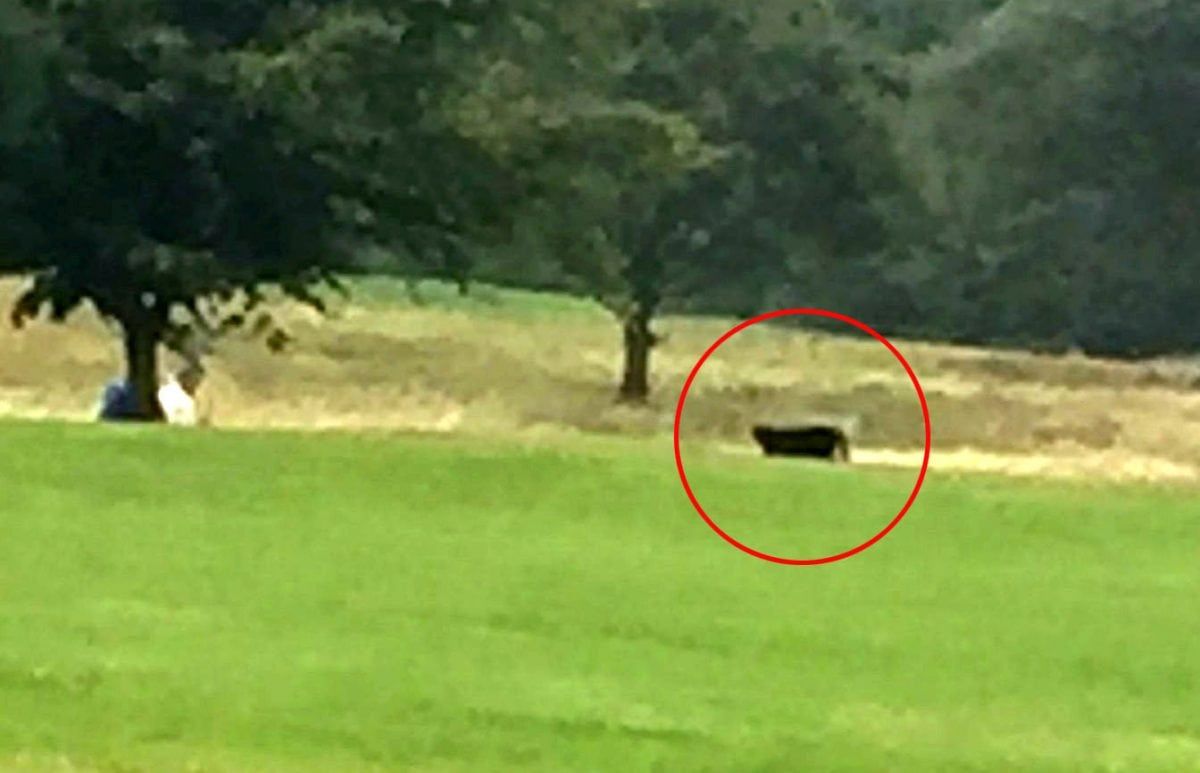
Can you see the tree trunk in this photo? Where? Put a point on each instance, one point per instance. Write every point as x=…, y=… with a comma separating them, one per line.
x=639, y=340
x=141, y=362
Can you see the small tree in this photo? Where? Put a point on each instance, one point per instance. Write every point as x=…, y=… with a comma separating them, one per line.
x=623, y=168
x=722, y=172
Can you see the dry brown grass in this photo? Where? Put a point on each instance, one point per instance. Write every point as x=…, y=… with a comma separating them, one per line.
x=492, y=367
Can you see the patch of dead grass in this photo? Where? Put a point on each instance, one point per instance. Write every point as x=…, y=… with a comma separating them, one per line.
x=425, y=368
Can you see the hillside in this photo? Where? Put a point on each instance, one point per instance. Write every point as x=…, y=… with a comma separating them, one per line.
x=506, y=362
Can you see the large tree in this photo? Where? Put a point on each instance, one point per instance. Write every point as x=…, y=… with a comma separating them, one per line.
x=188, y=155
x=24, y=53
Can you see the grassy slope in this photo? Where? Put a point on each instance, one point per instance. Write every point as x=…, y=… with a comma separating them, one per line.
x=504, y=362
x=286, y=602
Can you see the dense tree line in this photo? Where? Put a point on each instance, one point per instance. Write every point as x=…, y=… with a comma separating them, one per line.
x=1021, y=172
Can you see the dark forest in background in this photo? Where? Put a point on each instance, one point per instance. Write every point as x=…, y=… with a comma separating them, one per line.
x=1015, y=172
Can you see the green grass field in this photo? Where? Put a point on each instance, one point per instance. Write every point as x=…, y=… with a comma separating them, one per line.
x=275, y=601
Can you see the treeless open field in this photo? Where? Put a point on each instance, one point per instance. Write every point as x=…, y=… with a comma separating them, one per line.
x=286, y=601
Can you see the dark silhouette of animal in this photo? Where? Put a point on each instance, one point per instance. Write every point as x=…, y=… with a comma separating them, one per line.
x=814, y=441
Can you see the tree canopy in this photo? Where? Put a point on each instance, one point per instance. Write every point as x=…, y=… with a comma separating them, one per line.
x=186, y=155
x=1021, y=172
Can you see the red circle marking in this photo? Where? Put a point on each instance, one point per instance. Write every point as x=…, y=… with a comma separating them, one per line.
x=912, y=497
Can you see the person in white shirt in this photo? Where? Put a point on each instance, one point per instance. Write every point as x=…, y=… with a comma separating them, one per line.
x=178, y=397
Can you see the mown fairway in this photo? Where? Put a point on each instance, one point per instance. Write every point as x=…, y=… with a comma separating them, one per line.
x=228, y=601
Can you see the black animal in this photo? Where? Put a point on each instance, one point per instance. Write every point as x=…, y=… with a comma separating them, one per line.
x=817, y=441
